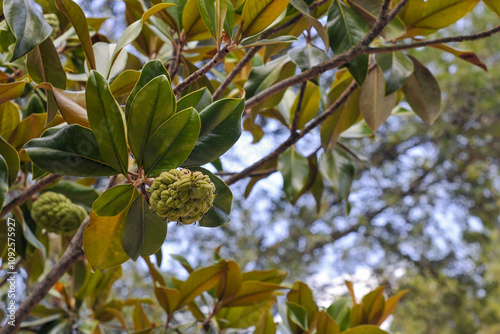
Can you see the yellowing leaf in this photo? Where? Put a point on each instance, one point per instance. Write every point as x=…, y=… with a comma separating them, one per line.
x=390, y=305
x=257, y=15
x=468, y=56
x=11, y=91
x=309, y=107
x=326, y=324
x=253, y=292
x=374, y=304
x=230, y=282
x=29, y=128
x=302, y=295
x=168, y=298
x=423, y=18
x=374, y=105
x=10, y=117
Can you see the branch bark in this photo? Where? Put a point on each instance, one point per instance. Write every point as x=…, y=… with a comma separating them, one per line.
x=16, y=201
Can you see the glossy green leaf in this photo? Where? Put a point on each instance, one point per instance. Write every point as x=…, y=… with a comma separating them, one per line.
x=397, y=68
x=107, y=122
x=152, y=106
x=219, y=213
x=4, y=180
x=257, y=15
x=423, y=94
x=213, y=14
x=307, y=57
x=144, y=230
x=345, y=29
x=171, y=143
x=11, y=157
x=297, y=314
x=303, y=7
x=113, y=201
x=77, y=18
x=73, y=150
x=425, y=17
x=220, y=129
x=124, y=83
x=294, y=169
x=199, y=100
x=151, y=70
x=27, y=24
x=340, y=311
x=374, y=105
x=326, y=324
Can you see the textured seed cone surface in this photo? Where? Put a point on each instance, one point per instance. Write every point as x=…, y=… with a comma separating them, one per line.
x=182, y=195
x=53, y=21
x=56, y=213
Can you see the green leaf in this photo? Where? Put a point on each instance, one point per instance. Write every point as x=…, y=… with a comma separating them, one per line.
x=4, y=180
x=192, y=22
x=374, y=105
x=303, y=7
x=302, y=295
x=72, y=150
x=365, y=329
x=345, y=29
x=144, y=230
x=152, y=106
x=251, y=42
x=77, y=18
x=425, y=17
x=270, y=276
x=219, y=213
x=423, y=94
x=397, y=68
x=220, y=129
x=338, y=170
x=297, y=314
x=340, y=311
x=151, y=70
x=213, y=14
x=124, y=83
x=199, y=100
x=326, y=325
x=257, y=15
x=11, y=157
x=27, y=24
x=295, y=169
x=102, y=237
x=493, y=5
x=113, y=201
x=307, y=57
x=171, y=143
x=107, y=122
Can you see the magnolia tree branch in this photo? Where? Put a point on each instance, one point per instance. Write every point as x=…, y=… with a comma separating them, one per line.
x=294, y=137
x=461, y=38
x=360, y=48
x=72, y=254
x=18, y=200
x=204, y=70
x=251, y=53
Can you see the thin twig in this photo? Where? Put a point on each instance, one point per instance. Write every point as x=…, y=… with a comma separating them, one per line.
x=461, y=38
x=204, y=70
x=358, y=49
x=176, y=59
x=16, y=201
x=294, y=137
x=259, y=173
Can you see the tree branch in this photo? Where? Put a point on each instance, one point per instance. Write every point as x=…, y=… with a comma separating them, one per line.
x=252, y=51
x=461, y=38
x=294, y=137
x=204, y=70
x=16, y=201
x=360, y=48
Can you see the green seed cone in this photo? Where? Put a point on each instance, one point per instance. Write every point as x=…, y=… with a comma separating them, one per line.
x=56, y=213
x=182, y=195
